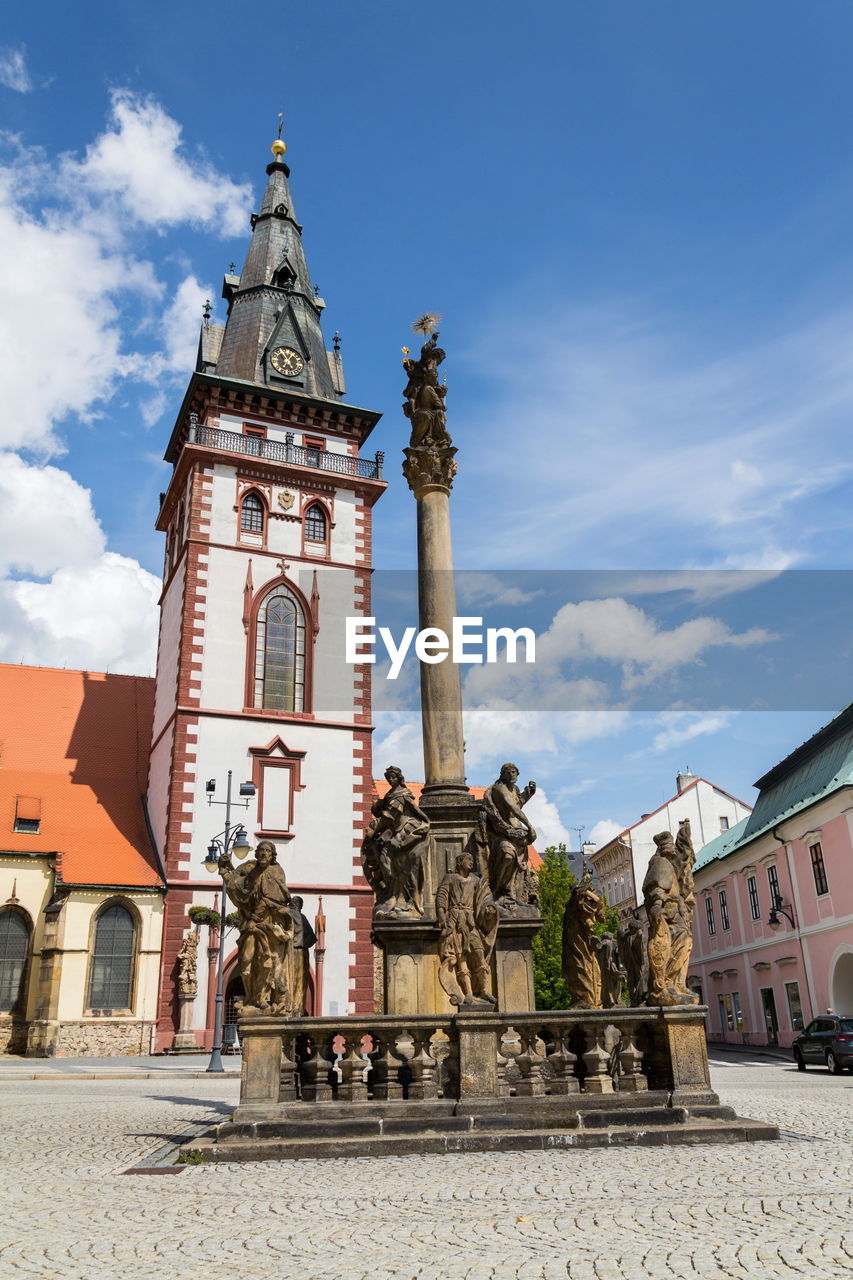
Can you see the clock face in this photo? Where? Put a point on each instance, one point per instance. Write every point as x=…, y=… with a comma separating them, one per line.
x=287, y=362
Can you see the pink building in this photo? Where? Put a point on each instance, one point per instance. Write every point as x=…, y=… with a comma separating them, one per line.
x=773, y=926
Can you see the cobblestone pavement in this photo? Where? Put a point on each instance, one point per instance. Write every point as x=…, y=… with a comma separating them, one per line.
x=758, y=1210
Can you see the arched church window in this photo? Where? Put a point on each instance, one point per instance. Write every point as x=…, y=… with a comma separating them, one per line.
x=252, y=514
x=280, y=653
x=111, y=980
x=315, y=523
x=14, y=948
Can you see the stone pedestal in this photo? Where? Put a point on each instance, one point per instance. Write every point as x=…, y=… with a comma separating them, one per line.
x=185, y=1041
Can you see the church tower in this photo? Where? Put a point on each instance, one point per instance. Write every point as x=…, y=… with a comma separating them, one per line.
x=267, y=520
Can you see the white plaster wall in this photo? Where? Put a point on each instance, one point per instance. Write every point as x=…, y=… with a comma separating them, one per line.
x=225, y=641
x=342, y=546
x=159, y=766
x=167, y=661
x=321, y=851
x=703, y=804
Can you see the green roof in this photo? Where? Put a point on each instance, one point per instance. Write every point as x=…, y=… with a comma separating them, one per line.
x=815, y=770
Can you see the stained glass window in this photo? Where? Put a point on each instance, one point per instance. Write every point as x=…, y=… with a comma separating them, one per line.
x=280, y=653
x=14, y=945
x=111, y=982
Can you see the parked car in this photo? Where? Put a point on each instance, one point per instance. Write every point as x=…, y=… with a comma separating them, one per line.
x=828, y=1041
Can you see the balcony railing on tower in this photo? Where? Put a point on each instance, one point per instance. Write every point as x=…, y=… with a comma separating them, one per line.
x=285, y=451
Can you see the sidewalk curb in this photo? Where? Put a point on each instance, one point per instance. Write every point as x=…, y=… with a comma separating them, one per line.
x=118, y=1075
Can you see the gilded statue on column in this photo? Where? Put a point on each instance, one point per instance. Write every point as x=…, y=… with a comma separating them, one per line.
x=394, y=848
x=506, y=834
x=430, y=455
x=265, y=944
x=581, y=968
x=669, y=900
x=468, y=923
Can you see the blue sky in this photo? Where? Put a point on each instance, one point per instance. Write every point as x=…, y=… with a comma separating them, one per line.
x=634, y=219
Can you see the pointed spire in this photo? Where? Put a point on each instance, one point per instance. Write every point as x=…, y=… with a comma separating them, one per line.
x=315, y=606
x=248, y=595
x=273, y=335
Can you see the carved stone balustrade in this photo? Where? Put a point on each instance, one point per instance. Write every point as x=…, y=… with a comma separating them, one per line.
x=550, y=1054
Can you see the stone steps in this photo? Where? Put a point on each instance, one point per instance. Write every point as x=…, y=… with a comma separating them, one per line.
x=440, y=1135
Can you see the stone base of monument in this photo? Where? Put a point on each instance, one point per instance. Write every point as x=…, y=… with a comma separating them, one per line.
x=474, y=1081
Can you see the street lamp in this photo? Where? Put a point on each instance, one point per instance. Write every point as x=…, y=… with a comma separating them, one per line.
x=777, y=906
x=226, y=842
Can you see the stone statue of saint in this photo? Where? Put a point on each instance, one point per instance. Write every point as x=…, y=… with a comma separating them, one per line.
x=612, y=973
x=669, y=900
x=265, y=945
x=507, y=833
x=581, y=970
x=430, y=456
x=424, y=398
x=635, y=960
x=304, y=938
x=468, y=920
x=393, y=850
x=188, y=966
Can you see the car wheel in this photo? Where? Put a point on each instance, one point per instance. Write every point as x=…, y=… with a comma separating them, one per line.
x=832, y=1063
x=798, y=1058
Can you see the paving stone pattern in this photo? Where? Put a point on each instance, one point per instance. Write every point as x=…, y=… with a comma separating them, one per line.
x=759, y=1210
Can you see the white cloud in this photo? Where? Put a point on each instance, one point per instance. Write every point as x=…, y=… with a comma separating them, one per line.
x=13, y=70
x=102, y=616
x=545, y=816
x=473, y=587
x=46, y=519
x=684, y=726
x=96, y=610
x=140, y=161
x=678, y=453
x=78, y=291
x=74, y=263
x=604, y=831
x=621, y=633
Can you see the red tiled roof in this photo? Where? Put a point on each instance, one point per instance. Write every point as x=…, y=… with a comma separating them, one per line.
x=380, y=786
x=78, y=742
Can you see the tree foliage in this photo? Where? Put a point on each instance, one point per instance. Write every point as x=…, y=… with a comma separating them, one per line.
x=555, y=885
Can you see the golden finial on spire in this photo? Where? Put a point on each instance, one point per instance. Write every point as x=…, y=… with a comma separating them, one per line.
x=279, y=147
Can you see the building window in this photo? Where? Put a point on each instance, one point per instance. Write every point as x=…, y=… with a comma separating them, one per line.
x=754, y=904
x=818, y=870
x=724, y=909
x=280, y=653
x=773, y=881
x=795, y=1008
x=737, y=1011
x=252, y=514
x=111, y=981
x=709, y=911
x=724, y=1022
x=14, y=947
x=28, y=815
x=724, y=823
x=315, y=523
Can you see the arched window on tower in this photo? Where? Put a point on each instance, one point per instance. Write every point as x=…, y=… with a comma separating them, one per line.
x=315, y=530
x=252, y=513
x=279, y=675
x=113, y=952
x=14, y=952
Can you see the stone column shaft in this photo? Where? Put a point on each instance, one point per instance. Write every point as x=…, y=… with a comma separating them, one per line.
x=441, y=688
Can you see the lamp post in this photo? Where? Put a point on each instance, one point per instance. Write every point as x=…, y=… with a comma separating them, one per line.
x=777, y=906
x=226, y=842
